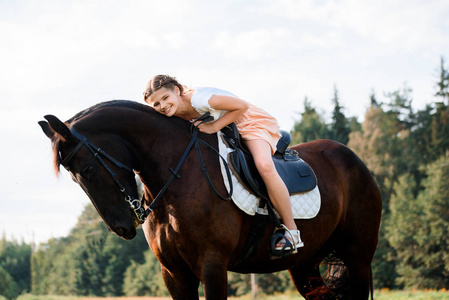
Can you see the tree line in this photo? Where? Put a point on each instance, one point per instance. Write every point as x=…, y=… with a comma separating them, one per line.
x=407, y=151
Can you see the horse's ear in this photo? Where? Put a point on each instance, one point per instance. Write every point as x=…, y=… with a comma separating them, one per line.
x=57, y=126
x=50, y=133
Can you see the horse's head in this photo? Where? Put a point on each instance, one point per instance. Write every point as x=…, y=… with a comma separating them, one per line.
x=101, y=164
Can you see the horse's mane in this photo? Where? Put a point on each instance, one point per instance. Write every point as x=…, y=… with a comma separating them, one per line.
x=118, y=104
x=112, y=103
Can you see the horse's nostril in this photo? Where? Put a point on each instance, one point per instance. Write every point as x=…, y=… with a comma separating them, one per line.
x=130, y=234
x=118, y=230
x=125, y=233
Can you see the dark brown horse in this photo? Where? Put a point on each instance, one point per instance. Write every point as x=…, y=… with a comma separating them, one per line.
x=195, y=235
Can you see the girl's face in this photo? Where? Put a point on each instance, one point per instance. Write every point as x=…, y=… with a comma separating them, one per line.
x=165, y=101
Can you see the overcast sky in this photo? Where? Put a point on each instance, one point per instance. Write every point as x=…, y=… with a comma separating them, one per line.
x=60, y=57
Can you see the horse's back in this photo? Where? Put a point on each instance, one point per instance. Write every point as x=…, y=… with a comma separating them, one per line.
x=337, y=160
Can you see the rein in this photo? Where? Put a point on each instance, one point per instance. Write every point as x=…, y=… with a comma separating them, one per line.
x=194, y=141
x=138, y=205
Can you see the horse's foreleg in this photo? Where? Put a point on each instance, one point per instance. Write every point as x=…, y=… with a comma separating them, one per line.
x=181, y=285
x=215, y=279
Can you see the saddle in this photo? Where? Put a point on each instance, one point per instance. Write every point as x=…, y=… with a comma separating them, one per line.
x=295, y=172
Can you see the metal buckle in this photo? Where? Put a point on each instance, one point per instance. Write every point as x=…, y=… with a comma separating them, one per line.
x=136, y=206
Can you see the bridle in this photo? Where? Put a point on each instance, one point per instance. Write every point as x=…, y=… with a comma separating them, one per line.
x=135, y=204
x=138, y=205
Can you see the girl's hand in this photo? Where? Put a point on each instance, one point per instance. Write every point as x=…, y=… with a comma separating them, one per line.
x=208, y=128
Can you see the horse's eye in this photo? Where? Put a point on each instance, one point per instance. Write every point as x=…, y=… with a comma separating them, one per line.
x=88, y=172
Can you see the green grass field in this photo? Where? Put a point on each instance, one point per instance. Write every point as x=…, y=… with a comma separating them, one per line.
x=378, y=295
x=416, y=295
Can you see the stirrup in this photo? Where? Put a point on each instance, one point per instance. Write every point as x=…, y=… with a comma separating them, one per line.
x=289, y=247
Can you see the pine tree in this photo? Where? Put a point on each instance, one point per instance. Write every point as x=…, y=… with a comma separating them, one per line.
x=443, y=83
x=339, y=128
x=439, y=141
x=400, y=105
x=418, y=229
x=433, y=234
x=15, y=260
x=373, y=99
x=310, y=127
x=8, y=287
x=403, y=222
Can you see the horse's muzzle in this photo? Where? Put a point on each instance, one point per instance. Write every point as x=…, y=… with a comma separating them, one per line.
x=124, y=233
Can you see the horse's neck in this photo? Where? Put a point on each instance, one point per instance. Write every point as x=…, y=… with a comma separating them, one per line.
x=168, y=151
x=159, y=148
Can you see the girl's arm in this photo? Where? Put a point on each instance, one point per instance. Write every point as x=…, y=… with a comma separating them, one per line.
x=235, y=108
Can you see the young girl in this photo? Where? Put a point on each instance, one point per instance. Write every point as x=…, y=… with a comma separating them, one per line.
x=258, y=129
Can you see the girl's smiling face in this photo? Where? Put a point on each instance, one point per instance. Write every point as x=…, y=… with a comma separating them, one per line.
x=165, y=101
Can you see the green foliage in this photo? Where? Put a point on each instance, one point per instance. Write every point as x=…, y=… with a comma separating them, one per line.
x=403, y=223
x=91, y=261
x=238, y=284
x=120, y=254
x=145, y=279
x=421, y=244
x=15, y=261
x=310, y=127
x=439, y=141
x=411, y=295
x=340, y=126
x=383, y=264
x=433, y=235
x=269, y=284
x=395, y=144
x=443, y=83
x=8, y=287
x=48, y=297
x=275, y=283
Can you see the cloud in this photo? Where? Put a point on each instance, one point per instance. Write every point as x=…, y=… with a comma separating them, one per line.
x=396, y=24
x=252, y=45
x=60, y=42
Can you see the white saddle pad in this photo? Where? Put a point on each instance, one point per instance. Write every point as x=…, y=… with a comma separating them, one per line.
x=304, y=205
